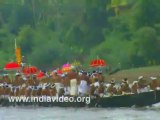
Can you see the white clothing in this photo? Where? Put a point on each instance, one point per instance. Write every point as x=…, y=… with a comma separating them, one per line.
x=145, y=89
x=96, y=84
x=73, y=87
x=66, y=90
x=58, y=87
x=83, y=87
x=158, y=88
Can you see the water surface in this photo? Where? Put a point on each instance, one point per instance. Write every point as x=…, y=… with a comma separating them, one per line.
x=55, y=113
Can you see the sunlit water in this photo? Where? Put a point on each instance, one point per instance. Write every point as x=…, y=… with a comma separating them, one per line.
x=55, y=113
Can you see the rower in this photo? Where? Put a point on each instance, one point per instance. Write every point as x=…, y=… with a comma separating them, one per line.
x=66, y=84
x=7, y=85
x=101, y=89
x=52, y=89
x=57, y=82
x=1, y=86
x=30, y=85
x=72, y=77
x=93, y=76
x=158, y=88
x=125, y=86
x=96, y=86
x=84, y=84
x=142, y=85
x=111, y=88
x=100, y=76
x=35, y=86
x=17, y=84
x=73, y=87
x=44, y=87
x=153, y=83
x=23, y=86
x=134, y=87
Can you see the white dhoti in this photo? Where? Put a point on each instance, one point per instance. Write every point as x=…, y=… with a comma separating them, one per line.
x=73, y=87
x=83, y=87
x=142, y=90
x=66, y=90
x=58, y=87
x=157, y=88
x=96, y=84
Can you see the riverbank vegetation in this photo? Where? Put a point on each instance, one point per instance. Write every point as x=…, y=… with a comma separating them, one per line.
x=126, y=33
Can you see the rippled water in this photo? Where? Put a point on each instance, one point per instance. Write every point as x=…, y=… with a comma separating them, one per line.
x=55, y=113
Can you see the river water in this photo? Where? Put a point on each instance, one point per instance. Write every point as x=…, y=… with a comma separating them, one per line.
x=55, y=113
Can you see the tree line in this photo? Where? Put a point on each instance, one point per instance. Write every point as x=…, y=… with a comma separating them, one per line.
x=126, y=33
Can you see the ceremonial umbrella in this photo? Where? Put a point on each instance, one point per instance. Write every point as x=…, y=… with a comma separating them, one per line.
x=76, y=65
x=30, y=70
x=11, y=67
x=40, y=75
x=66, y=68
x=98, y=63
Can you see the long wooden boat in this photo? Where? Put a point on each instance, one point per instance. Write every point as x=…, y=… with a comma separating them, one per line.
x=142, y=99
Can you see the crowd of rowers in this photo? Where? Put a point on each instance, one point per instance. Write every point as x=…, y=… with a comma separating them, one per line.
x=73, y=83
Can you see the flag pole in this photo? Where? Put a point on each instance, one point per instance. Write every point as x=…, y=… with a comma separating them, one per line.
x=15, y=43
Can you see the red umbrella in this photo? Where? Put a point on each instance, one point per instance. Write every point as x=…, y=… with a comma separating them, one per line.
x=40, y=75
x=98, y=63
x=12, y=66
x=30, y=70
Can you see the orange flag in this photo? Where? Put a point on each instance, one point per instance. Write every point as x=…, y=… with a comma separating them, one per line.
x=18, y=54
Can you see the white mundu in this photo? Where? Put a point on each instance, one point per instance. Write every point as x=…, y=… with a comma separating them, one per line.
x=96, y=84
x=73, y=87
x=58, y=86
x=83, y=87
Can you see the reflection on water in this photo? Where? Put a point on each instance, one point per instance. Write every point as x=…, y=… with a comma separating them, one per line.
x=55, y=113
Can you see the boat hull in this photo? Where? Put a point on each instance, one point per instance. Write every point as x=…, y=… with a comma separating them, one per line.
x=142, y=99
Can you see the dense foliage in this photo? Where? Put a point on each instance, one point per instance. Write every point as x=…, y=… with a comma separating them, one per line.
x=125, y=33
